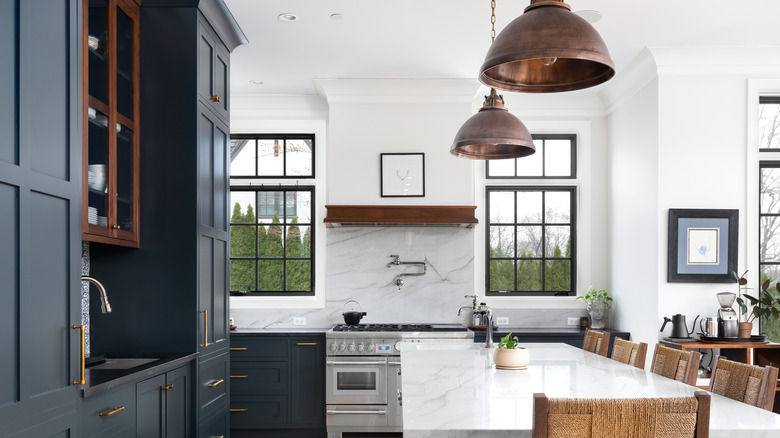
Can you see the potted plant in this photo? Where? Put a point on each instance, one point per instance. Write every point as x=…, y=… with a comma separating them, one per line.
x=598, y=304
x=510, y=355
x=766, y=304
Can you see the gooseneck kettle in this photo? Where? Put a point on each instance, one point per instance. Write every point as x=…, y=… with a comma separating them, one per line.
x=679, y=327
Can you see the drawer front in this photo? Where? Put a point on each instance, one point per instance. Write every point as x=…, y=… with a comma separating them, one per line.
x=118, y=413
x=259, y=377
x=213, y=382
x=246, y=347
x=257, y=411
x=214, y=427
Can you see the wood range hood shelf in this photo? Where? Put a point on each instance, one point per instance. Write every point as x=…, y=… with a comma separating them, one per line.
x=400, y=215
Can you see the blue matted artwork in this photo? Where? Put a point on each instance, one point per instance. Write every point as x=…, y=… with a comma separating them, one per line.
x=702, y=245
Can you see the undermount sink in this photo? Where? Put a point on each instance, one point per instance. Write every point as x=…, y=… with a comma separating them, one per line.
x=444, y=346
x=121, y=363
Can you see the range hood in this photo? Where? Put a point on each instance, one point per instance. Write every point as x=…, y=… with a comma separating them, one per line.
x=400, y=215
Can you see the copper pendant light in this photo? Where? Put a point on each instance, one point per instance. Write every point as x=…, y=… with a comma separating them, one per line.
x=547, y=49
x=492, y=133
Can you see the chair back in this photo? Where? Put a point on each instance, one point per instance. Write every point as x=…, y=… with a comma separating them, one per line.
x=596, y=342
x=679, y=365
x=630, y=353
x=675, y=417
x=749, y=384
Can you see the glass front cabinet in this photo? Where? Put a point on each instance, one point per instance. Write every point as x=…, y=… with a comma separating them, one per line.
x=111, y=120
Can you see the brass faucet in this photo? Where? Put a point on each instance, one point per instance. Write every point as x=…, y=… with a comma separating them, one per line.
x=105, y=307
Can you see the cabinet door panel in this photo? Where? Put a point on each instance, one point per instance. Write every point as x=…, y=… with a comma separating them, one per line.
x=216, y=426
x=205, y=284
x=9, y=284
x=221, y=77
x=256, y=376
x=8, y=120
x=205, y=65
x=151, y=399
x=213, y=384
x=206, y=135
x=177, y=401
x=308, y=381
x=221, y=178
x=257, y=411
x=220, y=295
x=94, y=425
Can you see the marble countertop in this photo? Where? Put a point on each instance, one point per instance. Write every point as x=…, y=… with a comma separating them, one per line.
x=454, y=390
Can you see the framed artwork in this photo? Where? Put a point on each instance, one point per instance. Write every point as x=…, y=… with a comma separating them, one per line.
x=402, y=175
x=703, y=245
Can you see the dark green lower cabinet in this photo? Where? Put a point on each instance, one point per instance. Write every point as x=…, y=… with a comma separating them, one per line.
x=277, y=385
x=216, y=426
x=111, y=413
x=163, y=405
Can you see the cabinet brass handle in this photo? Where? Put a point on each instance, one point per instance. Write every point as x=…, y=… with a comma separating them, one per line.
x=215, y=98
x=205, y=328
x=306, y=344
x=216, y=383
x=83, y=360
x=217, y=436
x=238, y=348
x=167, y=387
x=238, y=409
x=239, y=377
x=114, y=410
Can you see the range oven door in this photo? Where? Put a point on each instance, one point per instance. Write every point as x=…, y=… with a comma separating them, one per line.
x=356, y=380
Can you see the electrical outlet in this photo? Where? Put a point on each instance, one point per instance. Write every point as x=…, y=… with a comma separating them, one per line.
x=502, y=321
x=573, y=320
x=299, y=320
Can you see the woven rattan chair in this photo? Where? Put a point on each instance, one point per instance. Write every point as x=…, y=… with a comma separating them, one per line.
x=674, y=417
x=630, y=353
x=596, y=342
x=749, y=384
x=679, y=365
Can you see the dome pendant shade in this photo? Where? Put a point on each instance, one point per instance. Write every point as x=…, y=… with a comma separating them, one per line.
x=547, y=49
x=492, y=133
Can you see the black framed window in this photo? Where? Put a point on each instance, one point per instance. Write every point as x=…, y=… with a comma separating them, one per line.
x=271, y=156
x=531, y=240
x=272, y=240
x=555, y=158
x=769, y=236
x=769, y=123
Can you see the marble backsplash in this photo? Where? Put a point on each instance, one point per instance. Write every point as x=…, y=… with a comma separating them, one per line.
x=357, y=269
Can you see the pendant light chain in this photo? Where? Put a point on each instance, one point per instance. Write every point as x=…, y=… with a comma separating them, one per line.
x=492, y=21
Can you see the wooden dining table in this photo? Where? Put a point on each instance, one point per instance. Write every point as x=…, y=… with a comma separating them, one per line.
x=454, y=390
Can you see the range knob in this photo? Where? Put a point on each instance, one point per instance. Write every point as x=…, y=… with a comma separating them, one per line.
x=333, y=346
x=342, y=347
x=351, y=347
x=397, y=345
x=370, y=347
x=360, y=347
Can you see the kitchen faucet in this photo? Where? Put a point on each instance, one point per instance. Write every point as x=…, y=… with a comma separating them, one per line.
x=473, y=304
x=105, y=307
x=399, y=280
x=489, y=328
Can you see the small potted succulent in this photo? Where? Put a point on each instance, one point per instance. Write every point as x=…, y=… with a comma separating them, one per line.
x=510, y=355
x=598, y=306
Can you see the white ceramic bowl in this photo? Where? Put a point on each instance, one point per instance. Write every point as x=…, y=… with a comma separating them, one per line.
x=96, y=177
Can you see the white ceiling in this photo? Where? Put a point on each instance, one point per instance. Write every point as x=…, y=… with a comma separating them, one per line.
x=449, y=38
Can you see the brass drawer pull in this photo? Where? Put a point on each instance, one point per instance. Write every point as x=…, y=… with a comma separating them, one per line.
x=239, y=377
x=167, y=387
x=83, y=360
x=114, y=410
x=238, y=409
x=217, y=436
x=216, y=383
x=238, y=348
x=306, y=344
x=215, y=98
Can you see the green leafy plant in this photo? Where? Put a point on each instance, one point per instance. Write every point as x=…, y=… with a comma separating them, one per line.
x=509, y=342
x=766, y=304
x=593, y=295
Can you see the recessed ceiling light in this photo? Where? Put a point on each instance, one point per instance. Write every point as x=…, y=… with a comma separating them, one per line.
x=256, y=82
x=336, y=16
x=287, y=17
x=589, y=15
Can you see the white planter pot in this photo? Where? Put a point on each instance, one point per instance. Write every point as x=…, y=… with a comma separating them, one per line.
x=514, y=359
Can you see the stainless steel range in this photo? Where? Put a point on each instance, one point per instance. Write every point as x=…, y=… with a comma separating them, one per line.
x=363, y=374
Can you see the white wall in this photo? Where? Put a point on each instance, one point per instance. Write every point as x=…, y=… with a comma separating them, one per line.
x=632, y=164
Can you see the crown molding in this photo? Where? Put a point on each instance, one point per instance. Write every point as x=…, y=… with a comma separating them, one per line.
x=397, y=90
x=278, y=107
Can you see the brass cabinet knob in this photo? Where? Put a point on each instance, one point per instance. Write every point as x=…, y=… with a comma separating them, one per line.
x=215, y=98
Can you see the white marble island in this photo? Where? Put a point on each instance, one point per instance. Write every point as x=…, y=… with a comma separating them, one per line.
x=454, y=391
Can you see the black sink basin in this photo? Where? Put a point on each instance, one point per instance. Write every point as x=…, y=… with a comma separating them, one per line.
x=120, y=363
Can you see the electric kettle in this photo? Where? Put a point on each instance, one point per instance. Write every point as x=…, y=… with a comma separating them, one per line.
x=679, y=327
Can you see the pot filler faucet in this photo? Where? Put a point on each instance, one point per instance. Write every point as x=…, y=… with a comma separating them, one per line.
x=399, y=280
x=105, y=307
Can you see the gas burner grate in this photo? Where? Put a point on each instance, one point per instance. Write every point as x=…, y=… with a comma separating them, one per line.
x=383, y=328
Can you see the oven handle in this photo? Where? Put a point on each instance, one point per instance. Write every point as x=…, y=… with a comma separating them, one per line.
x=331, y=362
x=394, y=363
x=334, y=411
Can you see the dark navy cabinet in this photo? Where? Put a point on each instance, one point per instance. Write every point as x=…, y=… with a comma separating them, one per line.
x=278, y=385
x=40, y=181
x=164, y=405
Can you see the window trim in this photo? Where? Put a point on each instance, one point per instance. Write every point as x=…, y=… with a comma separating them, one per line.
x=284, y=137
x=768, y=99
x=573, y=191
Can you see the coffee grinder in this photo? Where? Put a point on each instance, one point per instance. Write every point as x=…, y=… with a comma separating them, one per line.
x=728, y=321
